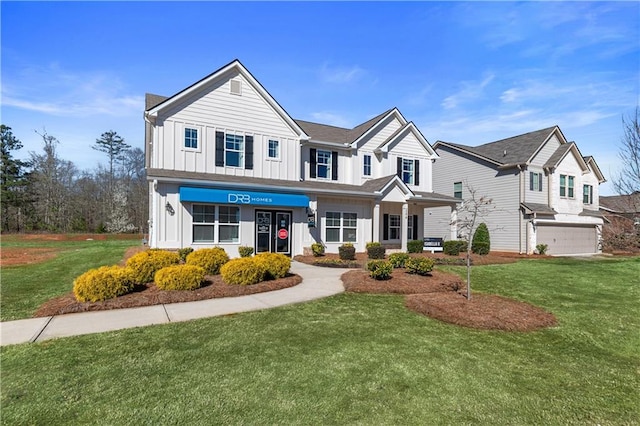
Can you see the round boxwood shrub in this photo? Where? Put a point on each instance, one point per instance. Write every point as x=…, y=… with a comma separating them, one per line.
x=243, y=271
x=144, y=265
x=398, y=259
x=179, y=277
x=103, y=283
x=211, y=259
x=415, y=246
x=347, y=252
x=276, y=265
x=317, y=249
x=419, y=265
x=375, y=250
x=380, y=269
x=481, y=244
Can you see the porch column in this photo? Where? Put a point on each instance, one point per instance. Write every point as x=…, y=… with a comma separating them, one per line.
x=376, y=222
x=404, y=227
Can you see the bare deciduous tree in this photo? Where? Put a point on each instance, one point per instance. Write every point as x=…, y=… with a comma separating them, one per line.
x=628, y=180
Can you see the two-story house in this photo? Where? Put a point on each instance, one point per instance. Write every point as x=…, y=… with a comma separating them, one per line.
x=227, y=166
x=543, y=191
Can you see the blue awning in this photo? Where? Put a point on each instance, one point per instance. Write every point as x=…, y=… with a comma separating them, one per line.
x=226, y=196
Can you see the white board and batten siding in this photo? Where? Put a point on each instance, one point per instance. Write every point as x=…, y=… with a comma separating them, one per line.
x=215, y=108
x=364, y=211
x=502, y=187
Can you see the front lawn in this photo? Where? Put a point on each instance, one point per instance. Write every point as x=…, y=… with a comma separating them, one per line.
x=355, y=359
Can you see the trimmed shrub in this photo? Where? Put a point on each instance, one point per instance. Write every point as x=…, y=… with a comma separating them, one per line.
x=542, y=248
x=245, y=251
x=276, y=265
x=317, y=249
x=211, y=259
x=144, y=265
x=184, y=252
x=103, y=283
x=375, y=250
x=419, y=265
x=179, y=277
x=454, y=247
x=398, y=259
x=415, y=246
x=481, y=244
x=347, y=251
x=380, y=269
x=243, y=271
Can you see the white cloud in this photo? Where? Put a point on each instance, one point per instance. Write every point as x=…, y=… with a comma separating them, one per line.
x=470, y=90
x=341, y=74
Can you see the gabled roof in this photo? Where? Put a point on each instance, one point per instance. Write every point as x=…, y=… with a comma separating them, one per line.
x=591, y=162
x=151, y=100
x=509, y=152
x=409, y=127
x=561, y=153
x=236, y=65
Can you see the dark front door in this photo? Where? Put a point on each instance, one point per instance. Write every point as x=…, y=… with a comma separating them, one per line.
x=273, y=232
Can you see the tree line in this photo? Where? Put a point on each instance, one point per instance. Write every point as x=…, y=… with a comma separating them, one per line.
x=48, y=193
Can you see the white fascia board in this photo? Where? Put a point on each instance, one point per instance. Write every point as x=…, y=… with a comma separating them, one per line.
x=403, y=187
x=394, y=111
x=413, y=129
x=563, y=141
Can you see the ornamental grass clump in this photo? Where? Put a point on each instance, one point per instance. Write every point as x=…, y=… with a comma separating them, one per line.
x=398, y=259
x=144, y=265
x=380, y=269
x=179, y=277
x=211, y=259
x=243, y=271
x=103, y=283
x=419, y=265
x=276, y=265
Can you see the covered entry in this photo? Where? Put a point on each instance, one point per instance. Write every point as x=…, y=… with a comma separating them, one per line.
x=568, y=239
x=273, y=231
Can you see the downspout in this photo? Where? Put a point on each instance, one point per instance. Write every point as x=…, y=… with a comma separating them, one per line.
x=520, y=201
x=153, y=238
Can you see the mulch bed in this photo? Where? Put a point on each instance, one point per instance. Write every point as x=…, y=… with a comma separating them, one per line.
x=150, y=295
x=401, y=282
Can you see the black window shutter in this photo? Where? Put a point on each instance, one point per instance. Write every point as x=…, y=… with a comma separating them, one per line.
x=415, y=225
x=540, y=182
x=220, y=149
x=531, y=181
x=399, y=168
x=334, y=165
x=417, y=179
x=312, y=167
x=385, y=227
x=248, y=152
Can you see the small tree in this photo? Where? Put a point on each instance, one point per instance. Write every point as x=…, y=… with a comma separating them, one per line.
x=481, y=244
x=628, y=180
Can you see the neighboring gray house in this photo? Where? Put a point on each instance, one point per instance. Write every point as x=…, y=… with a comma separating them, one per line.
x=543, y=191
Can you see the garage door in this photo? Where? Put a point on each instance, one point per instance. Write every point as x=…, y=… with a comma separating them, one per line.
x=567, y=239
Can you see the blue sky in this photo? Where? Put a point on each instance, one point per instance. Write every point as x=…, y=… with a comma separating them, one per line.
x=463, y=72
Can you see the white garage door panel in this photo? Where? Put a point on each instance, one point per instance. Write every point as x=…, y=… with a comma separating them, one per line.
x=567, y=239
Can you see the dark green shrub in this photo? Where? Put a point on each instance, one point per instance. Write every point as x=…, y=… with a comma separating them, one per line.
x=184, y=252
x=375, y=250
x=276, y=265
x=414, y=246
x=480, y=244
x=398, y=260
x=337, y=263
x=419, y=265
x=245, y=251
x=347, y=251
x=103, y=283
x=144, y=265
x=211, y=259
x=542, y=248
x=380, y=269
x=454, y=247
x=179, y=277
x=243, y=271
x=317, y=249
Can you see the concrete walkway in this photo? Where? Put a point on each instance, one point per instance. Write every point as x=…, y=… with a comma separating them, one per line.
x=317, y=282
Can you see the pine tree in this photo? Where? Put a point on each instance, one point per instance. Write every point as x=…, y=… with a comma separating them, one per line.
x=12, y=179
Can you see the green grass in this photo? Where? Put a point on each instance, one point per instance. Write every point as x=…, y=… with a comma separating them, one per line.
x=24, y=288
x=355, y=359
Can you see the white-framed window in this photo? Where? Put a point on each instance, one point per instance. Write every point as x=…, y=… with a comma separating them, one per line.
x=410, y=228
x=366, y=165
x=190, y=138
x=457, y=190
x=234, y=150
x=535, y=181
x=273, y=149
x=216, y=224
x=408, y=171
x=587, y=194
x=394, y=226
x=341, y=227
x=323, y=164
x=567, y=186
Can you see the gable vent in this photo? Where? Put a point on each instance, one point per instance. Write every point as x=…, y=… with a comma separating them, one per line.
x=235, y=87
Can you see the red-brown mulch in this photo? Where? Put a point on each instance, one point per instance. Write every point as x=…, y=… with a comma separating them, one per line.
x=401, y=282
x=12, y=256
x=493, y=258
x=150, y=295
x=483, y=311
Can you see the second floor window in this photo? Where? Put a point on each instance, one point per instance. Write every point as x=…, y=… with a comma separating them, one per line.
x=567, y=186
x=409, y=171
x=535, y=181
x=233, y=150
x=274, y=149
x=457, y=190
x=190, y=138
x=587, y=194
x=323, y=164
x=366, y=165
